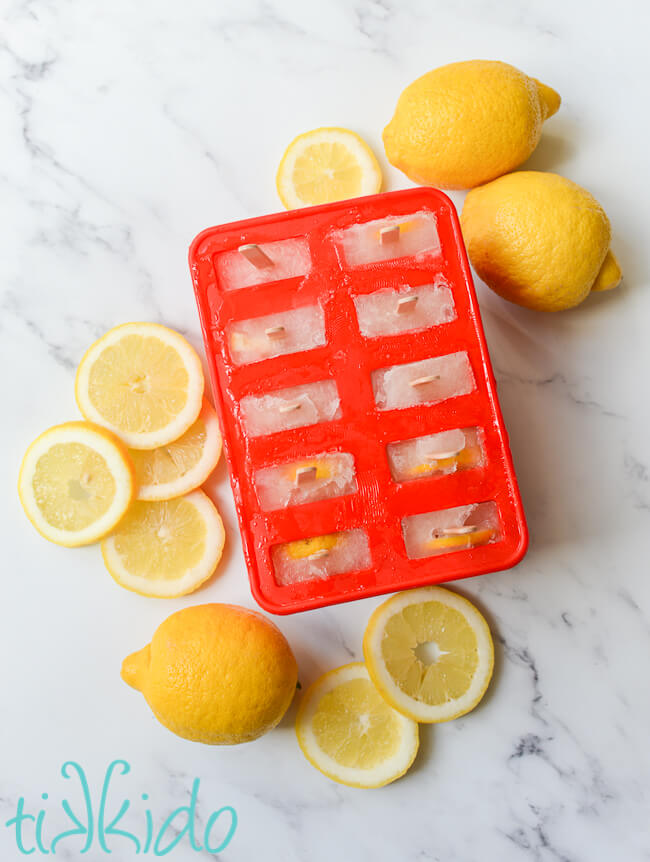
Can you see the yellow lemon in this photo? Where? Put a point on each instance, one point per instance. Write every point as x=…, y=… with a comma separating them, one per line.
x=464, y=124
x=347, y=730
x=539, y=240
x=324, y=165
x=143, y=381
x=182, y=465
x=217, y=674
x=166, y=548
x=430, y=653
x=75, y=483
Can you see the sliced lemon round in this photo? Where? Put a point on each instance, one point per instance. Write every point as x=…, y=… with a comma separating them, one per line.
x=75, y=483
x=325, y=165
x=166, y=548
x=347, y=730
x=430, y=653
x=182, y=465
x=142, y=381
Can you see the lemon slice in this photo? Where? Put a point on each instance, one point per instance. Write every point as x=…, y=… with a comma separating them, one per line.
x=348, y=731
x=326, y=165
x=181, y=466
x=462, y=540
x=75, y=483
x=166, y=548
x=430, y=653
x=142, y=381
x=303, y=548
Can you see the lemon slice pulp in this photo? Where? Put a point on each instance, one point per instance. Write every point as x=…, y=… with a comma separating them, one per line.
x=324, y=165
x=348, y=731
x=430, y=653
x=166, y=548
x=75, y=483
x=142, y=381
x=182, y=465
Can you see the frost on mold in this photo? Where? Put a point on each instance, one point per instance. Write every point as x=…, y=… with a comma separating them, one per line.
x=435, y=454
x=319, y=477
x=289, y=408
x=390, y=311
x=274, y=261
x=290, y=331
x=321, y=557
x=425, y=382
x=448, y=530
x=389, y=238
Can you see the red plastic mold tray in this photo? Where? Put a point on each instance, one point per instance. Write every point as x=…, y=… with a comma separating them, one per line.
x=324, y=270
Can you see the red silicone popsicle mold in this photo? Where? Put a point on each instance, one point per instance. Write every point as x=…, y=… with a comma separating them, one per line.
x=379, y=503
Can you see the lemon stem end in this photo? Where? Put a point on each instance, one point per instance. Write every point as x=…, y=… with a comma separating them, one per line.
x=135, y=666
x=550, y=100
x=610, y=274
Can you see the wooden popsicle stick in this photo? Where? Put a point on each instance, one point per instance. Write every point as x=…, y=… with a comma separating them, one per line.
x=288, y=408
x=459, y=531
x=254, y=254
x=423, y=381
x=406, y=304
x=442, y=456
x=275, y=332
x=318, y=555
x=389, y=234
x=305, y=474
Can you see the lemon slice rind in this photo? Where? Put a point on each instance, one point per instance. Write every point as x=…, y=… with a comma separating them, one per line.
x=117, y=461
x=385, y=772
x=400, y=700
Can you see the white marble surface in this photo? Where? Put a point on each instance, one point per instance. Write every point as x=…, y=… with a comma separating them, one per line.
x=125, y=128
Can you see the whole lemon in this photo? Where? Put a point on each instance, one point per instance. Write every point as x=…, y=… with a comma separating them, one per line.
x=464, y=124
x=218, y=674
x=539, y=240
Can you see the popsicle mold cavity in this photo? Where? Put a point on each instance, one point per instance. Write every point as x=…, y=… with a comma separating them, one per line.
x=293, y=407
x=425, y=382
x=329, y=474
x=321, y=557
x=406, y=309
x=435, y=454
x=256, y=264
x=448, y=530
x=389, y=238
x=276, y=334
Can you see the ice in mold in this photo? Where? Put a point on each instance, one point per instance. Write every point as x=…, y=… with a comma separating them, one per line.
x=294, y=407
x=448, y=530
x=321, y=557
x=428, y=381
x=435, y=454
x=390, y=311
x=307, y=480
x=383, y=239
x=283, y=332
x=253, y=263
